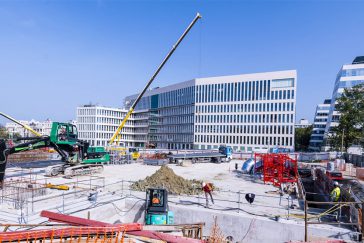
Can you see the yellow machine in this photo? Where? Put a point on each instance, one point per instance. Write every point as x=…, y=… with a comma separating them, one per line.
x=58, y=187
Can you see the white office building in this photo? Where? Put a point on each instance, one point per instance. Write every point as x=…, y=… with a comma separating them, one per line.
x=319, y=125
x=303, y=123
x=97, y=124
x=348, y=76
x=42, y=127
x=247, y=112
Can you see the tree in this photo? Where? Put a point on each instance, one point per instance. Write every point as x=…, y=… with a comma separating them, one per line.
x=350, y=130
x=302, y=138
x=3, y=132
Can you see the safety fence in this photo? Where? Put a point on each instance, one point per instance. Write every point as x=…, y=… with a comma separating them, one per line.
x=347, y=212
x=280, y=204
x=26, y=196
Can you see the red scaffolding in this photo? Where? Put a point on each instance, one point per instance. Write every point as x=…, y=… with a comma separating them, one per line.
x=277, y=168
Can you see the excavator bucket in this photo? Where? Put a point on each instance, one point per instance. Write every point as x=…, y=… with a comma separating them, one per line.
x=3, y=160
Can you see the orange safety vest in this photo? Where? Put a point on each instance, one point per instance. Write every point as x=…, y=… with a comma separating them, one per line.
x=155, y=200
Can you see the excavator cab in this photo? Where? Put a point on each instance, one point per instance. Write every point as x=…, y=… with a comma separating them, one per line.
x=64, y=133
x=156, y=205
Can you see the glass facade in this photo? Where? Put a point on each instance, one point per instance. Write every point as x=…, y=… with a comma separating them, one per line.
x=348, y=76
x=319, y=124
x=246, y=115
x=204, y=113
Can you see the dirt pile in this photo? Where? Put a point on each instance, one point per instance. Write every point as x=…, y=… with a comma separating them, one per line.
x=166, y=178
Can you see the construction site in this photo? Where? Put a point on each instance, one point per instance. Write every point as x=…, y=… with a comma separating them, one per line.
x=112, y=205
x=59, y=188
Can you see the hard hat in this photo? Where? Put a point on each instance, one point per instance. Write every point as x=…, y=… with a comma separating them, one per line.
x=203, y=184
x=336, y=183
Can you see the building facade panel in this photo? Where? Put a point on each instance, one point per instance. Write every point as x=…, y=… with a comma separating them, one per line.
x=348, y=76
x=247, y=112
x=97, y=124
x=319, y=125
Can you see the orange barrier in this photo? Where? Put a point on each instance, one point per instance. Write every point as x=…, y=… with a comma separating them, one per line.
x=110, y=234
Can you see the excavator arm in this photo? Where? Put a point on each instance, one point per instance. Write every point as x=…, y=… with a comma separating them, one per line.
x=21, y=124
x=32, y=143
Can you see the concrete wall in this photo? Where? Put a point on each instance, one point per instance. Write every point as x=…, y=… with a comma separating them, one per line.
x=243, y=228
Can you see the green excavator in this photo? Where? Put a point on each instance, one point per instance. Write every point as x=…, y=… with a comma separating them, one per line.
x=78, y=157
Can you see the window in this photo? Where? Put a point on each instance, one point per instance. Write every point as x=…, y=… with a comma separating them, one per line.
x=282, y=83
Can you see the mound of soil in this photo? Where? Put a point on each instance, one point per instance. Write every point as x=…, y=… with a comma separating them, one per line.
x=166, y=178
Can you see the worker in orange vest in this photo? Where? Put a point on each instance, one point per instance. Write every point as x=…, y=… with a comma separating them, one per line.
x=155, y=199
x=207, y=188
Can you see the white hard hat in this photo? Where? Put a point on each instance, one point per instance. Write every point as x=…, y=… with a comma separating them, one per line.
x=203, y=184
x=336, y=183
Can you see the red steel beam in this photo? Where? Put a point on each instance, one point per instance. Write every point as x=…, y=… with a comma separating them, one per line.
x=72, y=220
x=77, y=221
x=132, y=228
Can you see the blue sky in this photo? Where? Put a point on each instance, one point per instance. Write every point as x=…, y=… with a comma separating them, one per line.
x=56, y=55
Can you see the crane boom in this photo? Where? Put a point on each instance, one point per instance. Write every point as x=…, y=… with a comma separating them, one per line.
x=21, y=124
x=174, y=47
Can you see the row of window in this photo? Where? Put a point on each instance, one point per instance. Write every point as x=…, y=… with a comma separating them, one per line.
x=180, y=110
x=258, y=107
x=320, y=120
x=181, y=128
x=244, y=91
x=176, y=120
x=257, y=118
x=350, y=83
x=177, y=97
x=247, y=140
x=352, y=72
x=322, y=114
x=175, y=138
x=246, y=129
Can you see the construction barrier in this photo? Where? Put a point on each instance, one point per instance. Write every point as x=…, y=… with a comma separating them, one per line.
x=111, y=234
x=277, y=168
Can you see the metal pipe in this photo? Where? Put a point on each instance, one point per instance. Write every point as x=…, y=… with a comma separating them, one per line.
x=174, y=47
x=306, y=208
x=362, y=219
x=314, y=202
x=334, y=223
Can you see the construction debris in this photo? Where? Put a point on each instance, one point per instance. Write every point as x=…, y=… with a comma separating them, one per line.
x=166, y=178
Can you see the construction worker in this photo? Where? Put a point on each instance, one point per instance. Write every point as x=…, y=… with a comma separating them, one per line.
x=155, y=199
x=335, y=193
x=335, y=197
x=207, y=188
x=62, y=134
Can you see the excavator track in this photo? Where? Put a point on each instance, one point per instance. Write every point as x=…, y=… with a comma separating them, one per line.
x=54, y=170
x=86, y=169
x=71, y=171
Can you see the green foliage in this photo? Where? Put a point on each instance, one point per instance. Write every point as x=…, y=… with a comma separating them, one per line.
x=3, y=132
x=350, y=130
x=302, y=138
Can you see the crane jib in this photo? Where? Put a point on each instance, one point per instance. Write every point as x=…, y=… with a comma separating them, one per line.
x=174, y=47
